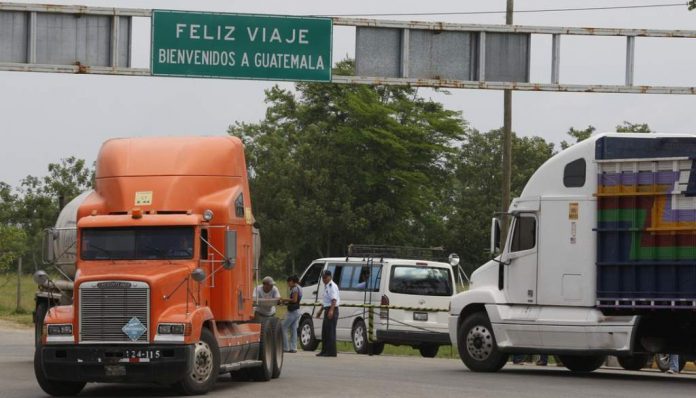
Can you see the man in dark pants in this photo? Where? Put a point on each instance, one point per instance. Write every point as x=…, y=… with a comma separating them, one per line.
x=330, y=303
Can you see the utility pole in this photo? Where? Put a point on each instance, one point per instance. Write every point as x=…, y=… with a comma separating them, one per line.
x=507, y=141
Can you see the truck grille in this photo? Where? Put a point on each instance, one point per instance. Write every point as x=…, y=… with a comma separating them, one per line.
x=107, y=306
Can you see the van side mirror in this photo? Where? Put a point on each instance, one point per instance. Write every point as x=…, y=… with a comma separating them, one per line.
x=230, y=249
x=495, y=236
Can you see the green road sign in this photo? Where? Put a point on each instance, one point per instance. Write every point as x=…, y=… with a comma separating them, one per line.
x=242, y=46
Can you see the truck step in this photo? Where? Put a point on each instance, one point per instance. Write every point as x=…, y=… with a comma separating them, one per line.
x=230, y=367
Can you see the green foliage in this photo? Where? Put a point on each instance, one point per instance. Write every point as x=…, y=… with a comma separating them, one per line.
x=579, y=135
x=13, y=246
x=691, y=4
x=35, y=204
x=336, y=164
x=477, y=195
x=628, y=127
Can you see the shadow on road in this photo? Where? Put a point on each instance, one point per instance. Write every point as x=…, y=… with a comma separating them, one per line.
x=223, y=384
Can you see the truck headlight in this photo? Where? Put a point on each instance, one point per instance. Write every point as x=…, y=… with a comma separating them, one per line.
x=173, y=328
x=60, y=330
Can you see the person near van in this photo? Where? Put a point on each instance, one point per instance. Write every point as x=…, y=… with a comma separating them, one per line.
x=673, y=364
x=293, y=316
x=330, y=303
x=266, y=291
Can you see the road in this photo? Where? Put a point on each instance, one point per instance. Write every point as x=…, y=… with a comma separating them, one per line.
x=351, y=375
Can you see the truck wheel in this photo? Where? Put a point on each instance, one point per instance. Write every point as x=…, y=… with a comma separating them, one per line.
x=265, y=371
x=477, y=346
x=205, y=366
x=308, y=341
x=277, y=347
x=429, y=350
x=359, y=337
x=634, y=362
x=54, y=388
x=40, y=315
x=582, y=363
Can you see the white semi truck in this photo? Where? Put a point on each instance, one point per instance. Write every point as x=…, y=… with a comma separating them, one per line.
x=600, y=259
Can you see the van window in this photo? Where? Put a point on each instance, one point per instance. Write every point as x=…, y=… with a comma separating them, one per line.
x=424, y=281
x=360, y=277
x=336, y=272
x=574, y=174
x=311, y=276
x=524, y=234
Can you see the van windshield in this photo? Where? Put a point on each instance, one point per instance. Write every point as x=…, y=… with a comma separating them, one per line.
x=140, y=243
x=424, y=281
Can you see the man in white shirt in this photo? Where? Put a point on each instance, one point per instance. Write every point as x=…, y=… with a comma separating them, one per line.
x=267, y=295
x=330, y=303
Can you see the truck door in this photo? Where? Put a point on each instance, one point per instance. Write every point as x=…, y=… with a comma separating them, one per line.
x=521, y=258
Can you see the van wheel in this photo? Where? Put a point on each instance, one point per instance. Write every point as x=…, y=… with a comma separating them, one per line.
x=277, y=347
x=429, y=350
x=265, y=371
x=205, y=366
x=359, y=337
x=582, y=363
x=308, y=341
x=634, y=362
x=54, y=388
x=477, y=346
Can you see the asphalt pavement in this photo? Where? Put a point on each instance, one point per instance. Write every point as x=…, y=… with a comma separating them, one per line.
x=352, y=375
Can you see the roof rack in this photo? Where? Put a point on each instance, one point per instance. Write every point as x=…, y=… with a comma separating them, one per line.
x=405, y=252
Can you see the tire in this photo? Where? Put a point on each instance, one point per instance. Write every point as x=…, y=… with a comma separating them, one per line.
x=359, y=337
x=41, y=310
x=377, y=348
x=477, y=346
x=54, y=388
x=428, y=350
x=205, y=366
x=305, y=332
x=277, y=347
x=634, y=362
x=582, y=363
x=265, y=371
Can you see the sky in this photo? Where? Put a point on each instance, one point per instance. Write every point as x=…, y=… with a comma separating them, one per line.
x=46, y=117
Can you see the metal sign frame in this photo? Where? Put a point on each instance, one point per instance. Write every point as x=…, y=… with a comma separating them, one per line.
x=553, y=84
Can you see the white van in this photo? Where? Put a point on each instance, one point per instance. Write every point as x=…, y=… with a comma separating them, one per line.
x=389, y=281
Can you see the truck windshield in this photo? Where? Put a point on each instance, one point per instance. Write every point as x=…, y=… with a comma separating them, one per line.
x=142, y=243
x=424, y=281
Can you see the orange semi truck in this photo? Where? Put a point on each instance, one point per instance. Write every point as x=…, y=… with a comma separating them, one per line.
x=166, y=257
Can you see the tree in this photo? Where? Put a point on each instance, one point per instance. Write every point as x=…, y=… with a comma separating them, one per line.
x=625, y=127
x=13, y=245
x=477, y=194
x=35, y=204
x=579, y=135
x=337, y=164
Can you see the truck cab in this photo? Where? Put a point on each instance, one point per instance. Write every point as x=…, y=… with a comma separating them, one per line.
x=581, y=274
x=166, y=254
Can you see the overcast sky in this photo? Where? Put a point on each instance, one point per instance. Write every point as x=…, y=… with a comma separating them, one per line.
x=45, y=117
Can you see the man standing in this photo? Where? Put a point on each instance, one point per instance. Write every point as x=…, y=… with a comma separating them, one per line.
x=267, y=296
x=330, y=303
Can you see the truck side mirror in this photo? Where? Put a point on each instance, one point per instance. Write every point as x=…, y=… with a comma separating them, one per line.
x=230, y=249
x=48, y=252
x=495, y=236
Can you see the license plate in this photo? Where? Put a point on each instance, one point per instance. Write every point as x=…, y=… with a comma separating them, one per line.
x=420, y=316
x=142, y=354
x=115, y=370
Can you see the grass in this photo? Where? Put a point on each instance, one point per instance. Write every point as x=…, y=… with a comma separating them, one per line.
x=8, y=299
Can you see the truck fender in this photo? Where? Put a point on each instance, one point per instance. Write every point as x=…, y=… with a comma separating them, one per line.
x=469, y=302
x=197, y=318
